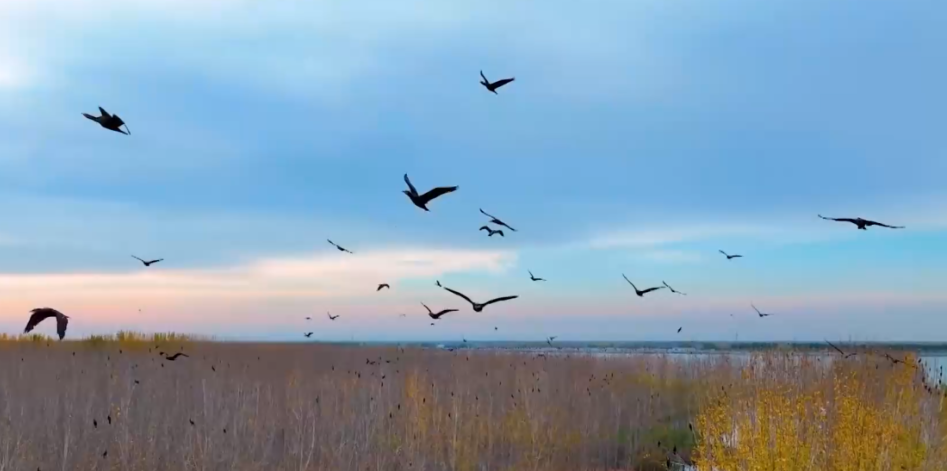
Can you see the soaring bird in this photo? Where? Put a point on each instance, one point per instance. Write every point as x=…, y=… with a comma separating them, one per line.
x=494, y=220
x=844, y=355
x=639, y=292
x=679, y=329
x=672, y=289
x=550, y=339
x=148, y=263
x=534, y=278
x=477, y=307
x=175, y=356
x=109, y=121
x=437, y=315
x=761, y=314
x=493, y=86
x=729, y=257
x=421, y=201
x=341, y=249
x=861, y=223
x=308, y=318
x=332, y=318
x=307, y=334
x=41, y=313
x=383, y=285
x=490, y=232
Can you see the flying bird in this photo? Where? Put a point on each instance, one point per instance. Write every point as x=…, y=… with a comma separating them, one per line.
x=438, y=282
x=761, y=314
x=383, y=285
x=730, y=256
x=42, y=313
x=534, y=278
x=307, y=334
x=341, y=249
x=844, y=355
x=109, y=121
x=679, y=329
x=421, y=201
x=438, y=315
x=861, y=223
x=672, y=289
x=148, y=263
x=550, y=339
x=332, y=318
x=490, y=232
x=493, y=86
x=639, y=292
x=477, y=307
x=494, y=220
x=308, y=318
x=175, y=356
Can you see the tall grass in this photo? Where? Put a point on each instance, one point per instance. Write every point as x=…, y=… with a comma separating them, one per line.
x=320, y=407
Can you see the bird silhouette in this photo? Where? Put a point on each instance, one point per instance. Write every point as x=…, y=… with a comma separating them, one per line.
x=490, y=232
x=679, y=329
x=175, y=356
x=844, y=355
x=147, y=263
x=383, y=285
x=729, y=256
x=421, y=201
x=550, y=339
x=493, y=86
x=42, y=313
x=477, y=307
x=494, y=220
x=332, y=318
x=534, y=278
x=861, y=223
x=672, y=289
x=437, y=315
x=341, y=249
x=438, y=283
x=109, y=121
x=308, y=334
x=639, y=292
x=761, y=314
x=308, y=318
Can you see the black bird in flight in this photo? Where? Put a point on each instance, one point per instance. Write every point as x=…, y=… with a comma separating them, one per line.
x=438, y=283
x=730, y=256
x=175, y=356
x=844, y=355
x=308, y=318
x=550, y=339
x=307, y=334
x=679, y=329
x=490, y=232
x=493, y=86
x=438, y=315
x=534, y=278
x=494, y=220
x=639, y=292
x=672, y=289
x=109, y=121
x=341, y=249
x=42, y=313
x=332, y=318
x=861, y=223
x=383, y=285
x=148, y=263
x=761, y=314
x=421, y=201
x=477, y=307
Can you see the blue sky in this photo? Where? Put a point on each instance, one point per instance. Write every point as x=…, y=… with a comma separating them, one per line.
x=639, y=137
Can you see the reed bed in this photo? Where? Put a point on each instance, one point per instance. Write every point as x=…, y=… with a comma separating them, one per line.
x=323, y=407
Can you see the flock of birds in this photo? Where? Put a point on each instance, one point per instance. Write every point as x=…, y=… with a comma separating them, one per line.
x=114, y=123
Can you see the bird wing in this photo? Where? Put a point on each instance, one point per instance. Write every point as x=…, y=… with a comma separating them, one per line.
x=410, y=186
x=136, y=258
x=484, y=77
x=486, y=214
x=851, y=220
x=156, y=261
x=504, y=298
x=445, y=311
x=435, y=192
x=755, y=309
x=629, y=281
x=734, y=256
x=499, y=231
x=875, y=223
x=61, y=323
x=665, y=283
x=39, y=315
x=651, y=289
x=531, y=274
x=333, y=243
x=485, y=227
x=459, y=294
x=834, y=347
x=428, y=309
x=554, y=337
x=502, y=82
x=724, y=253
x=105, y=114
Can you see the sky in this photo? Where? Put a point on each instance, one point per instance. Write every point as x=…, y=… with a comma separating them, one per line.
x=639, y=138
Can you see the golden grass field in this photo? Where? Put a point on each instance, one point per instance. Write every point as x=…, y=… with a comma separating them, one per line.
x=324, y=407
